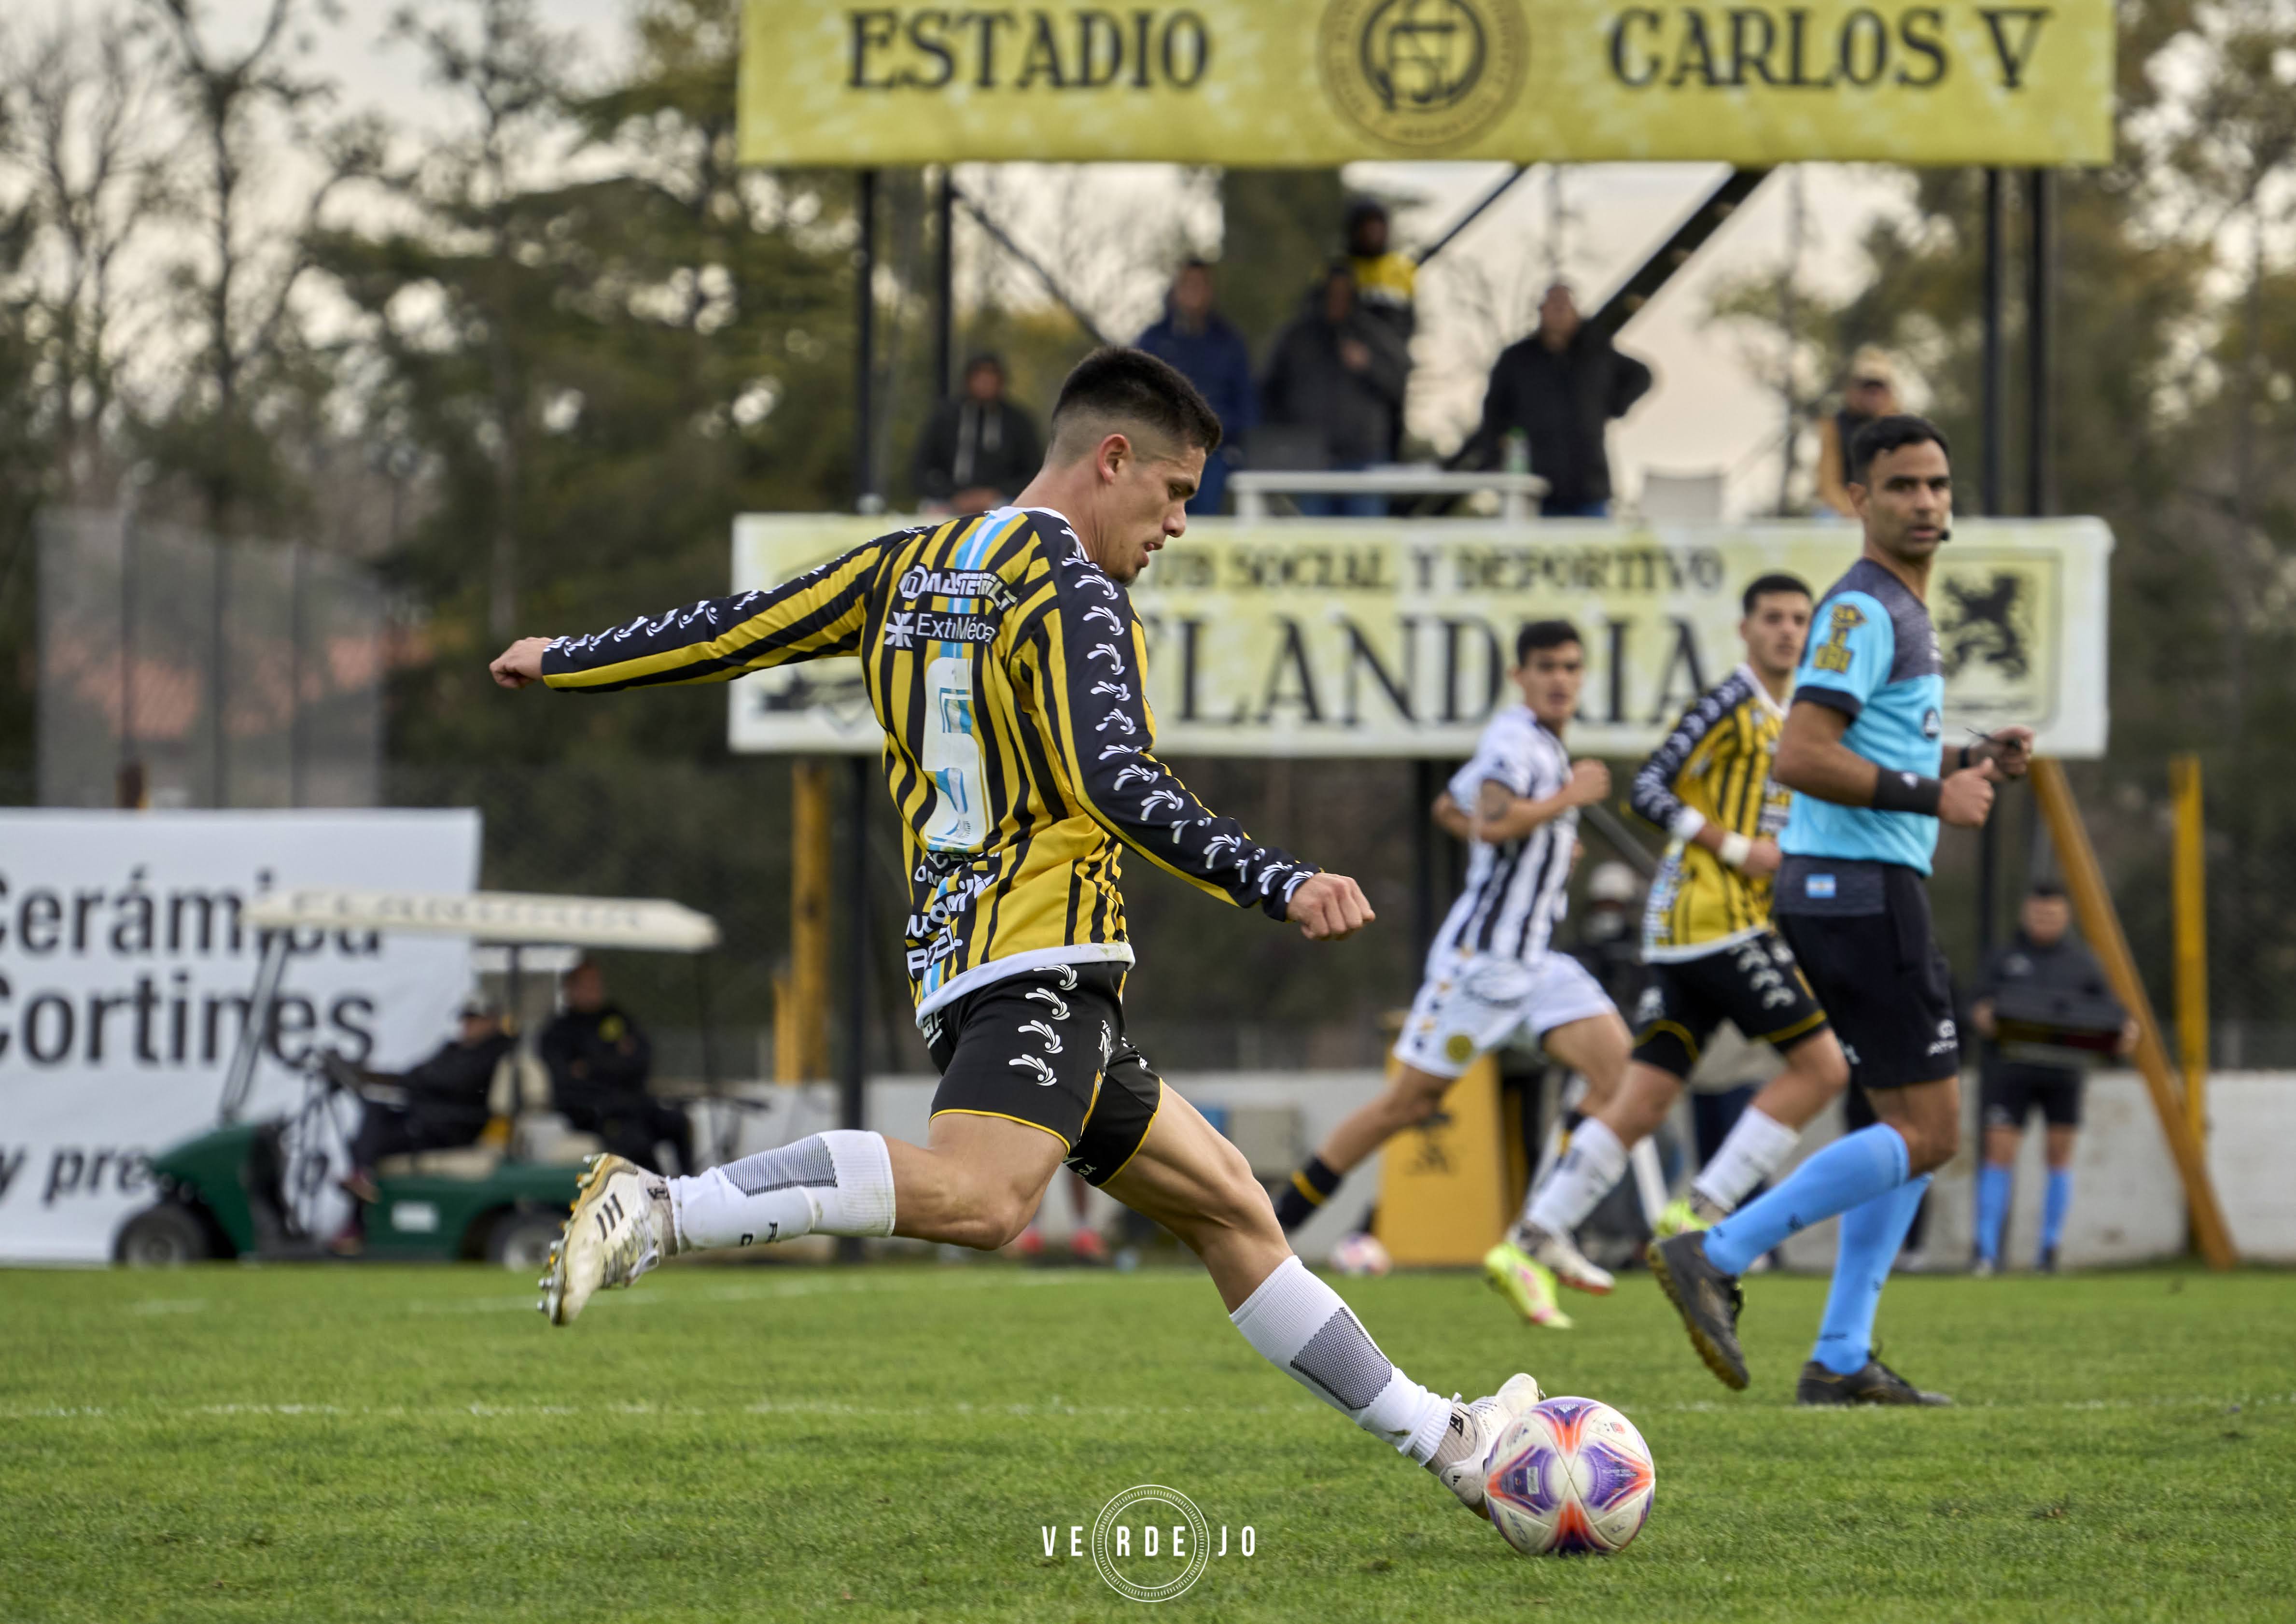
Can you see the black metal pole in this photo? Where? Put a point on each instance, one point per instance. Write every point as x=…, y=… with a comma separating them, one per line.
x=864, y=343
x=852, y=1102
x=1994, y=388
x=945, y=284
x=2040, y=342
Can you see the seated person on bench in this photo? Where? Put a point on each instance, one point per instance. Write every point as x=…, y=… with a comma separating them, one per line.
x=446, y=1102
x=599, y=1060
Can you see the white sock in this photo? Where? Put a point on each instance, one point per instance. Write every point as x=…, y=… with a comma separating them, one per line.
x=838, y=1183
x=1300, y=1326
x=1757, y=1147
x=1578, y=1181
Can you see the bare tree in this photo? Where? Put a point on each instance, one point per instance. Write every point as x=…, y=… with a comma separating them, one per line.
x=252, y=253
x=89, y=143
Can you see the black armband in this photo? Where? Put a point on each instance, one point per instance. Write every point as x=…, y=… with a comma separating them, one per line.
x=1895, y=792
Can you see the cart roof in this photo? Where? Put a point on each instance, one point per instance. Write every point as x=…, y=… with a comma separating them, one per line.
x=644, y=924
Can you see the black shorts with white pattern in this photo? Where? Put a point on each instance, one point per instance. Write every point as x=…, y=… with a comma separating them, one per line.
x=1046, y=1048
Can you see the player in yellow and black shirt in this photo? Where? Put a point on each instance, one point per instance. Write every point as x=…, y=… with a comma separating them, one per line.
x=1003, y=662
x=1712, y=954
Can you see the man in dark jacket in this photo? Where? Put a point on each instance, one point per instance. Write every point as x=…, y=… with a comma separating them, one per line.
x=1340, y=372
x=2044, y=956
x=1560, y=388
x=1211, y=354
x=599, y=1060
x=978, y=450
x=445, y=1100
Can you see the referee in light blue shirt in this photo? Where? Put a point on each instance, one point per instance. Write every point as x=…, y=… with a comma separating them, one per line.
x=1861, y=752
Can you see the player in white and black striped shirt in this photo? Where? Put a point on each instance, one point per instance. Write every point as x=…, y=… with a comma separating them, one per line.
x=1490, y=972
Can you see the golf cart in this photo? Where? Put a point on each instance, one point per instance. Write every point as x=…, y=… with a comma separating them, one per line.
x=260, y=1189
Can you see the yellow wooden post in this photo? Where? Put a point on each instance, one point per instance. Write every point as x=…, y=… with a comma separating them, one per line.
x=801, y=997
x=2189, y=885
x=2100, y=922
x=1443, y=1184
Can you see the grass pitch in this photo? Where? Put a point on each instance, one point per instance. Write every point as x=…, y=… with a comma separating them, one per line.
x=375, y=1443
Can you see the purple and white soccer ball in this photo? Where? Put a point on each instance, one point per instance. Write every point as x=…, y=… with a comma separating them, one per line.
x=1571, y=1478
x=1360, y=1254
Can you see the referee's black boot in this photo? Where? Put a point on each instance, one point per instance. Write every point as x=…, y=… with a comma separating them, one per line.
x=1876, y=1383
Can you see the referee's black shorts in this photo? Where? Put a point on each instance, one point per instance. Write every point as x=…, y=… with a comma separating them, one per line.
x=1046, y=1048
x=1879, y=973
x=2009, y=1092
x=1755, y=984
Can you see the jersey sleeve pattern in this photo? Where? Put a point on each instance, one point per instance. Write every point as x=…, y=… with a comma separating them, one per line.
x=1082, y=651
x=816, y=614
x=1652, y=793
x=1850, y=655
x=1507, y=754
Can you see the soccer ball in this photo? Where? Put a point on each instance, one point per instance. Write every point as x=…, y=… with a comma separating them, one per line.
x=1360, y=1254
x=1571, y=1478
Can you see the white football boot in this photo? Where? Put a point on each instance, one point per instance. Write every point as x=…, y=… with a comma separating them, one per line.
x=1570, y=1267
x=1461, y=1460
x=620, y=1227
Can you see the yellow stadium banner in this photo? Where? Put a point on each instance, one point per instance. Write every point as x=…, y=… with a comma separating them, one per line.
x=1371, y=638
x=1276, y=83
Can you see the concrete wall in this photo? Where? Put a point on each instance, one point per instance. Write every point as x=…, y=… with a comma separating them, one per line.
x=2128, y=1205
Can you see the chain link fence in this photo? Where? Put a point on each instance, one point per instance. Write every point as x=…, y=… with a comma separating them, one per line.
x=178, y=670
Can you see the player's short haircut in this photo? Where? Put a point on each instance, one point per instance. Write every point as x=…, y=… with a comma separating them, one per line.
x=1762, y=586
x=1117, y=390
x=1544, y=635
x=2045, y=891
x=1892, y=433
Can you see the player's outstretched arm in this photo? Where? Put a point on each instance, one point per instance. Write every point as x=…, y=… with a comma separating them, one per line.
x=715, y=640
x=1501, y=814
x=1080, y=660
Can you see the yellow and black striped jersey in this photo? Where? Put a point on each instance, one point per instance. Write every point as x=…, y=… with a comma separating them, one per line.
x=1713, y=769
x=1006, y=669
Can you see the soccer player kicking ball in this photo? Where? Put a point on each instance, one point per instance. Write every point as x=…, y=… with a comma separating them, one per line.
x=1003, y=659
x=1491, y=971
x=1860, y=749
x=1713, y=954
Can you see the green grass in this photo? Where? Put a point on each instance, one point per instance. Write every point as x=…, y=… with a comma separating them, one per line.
x=786, y=1442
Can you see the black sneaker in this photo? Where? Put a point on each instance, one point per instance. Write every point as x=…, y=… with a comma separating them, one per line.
x=1876, y=1383
x=1708, y=1300
x=2048, y=1262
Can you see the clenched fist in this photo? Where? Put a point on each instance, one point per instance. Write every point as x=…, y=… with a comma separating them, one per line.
x=1328, y=906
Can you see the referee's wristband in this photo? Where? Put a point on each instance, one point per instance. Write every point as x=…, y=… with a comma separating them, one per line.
x=1735, y=849
x=1895, y=792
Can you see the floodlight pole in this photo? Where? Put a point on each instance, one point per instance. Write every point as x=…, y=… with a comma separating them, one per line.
x=865, y=499
x=1995, y=381
x=945, y=284
x=2040, y=341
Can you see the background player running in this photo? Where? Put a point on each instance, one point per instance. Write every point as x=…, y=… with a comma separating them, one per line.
x=1490, y=972
x=1860, y=749
x=1003, y=661
x=1712, y=952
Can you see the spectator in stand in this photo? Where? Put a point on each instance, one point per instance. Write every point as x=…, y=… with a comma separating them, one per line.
x=1340, y=371
x=1386, y=283
x=599, y=1061
x=1560, y=388
x=1870, y=392
x=1386, y=280
x=1209, y=353
x=978, y=450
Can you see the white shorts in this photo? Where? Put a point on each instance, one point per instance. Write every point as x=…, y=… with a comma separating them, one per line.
x=1473, y=1002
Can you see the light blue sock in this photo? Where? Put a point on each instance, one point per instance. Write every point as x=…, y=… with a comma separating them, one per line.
x=1854, y=1168
x=1992, y=1209
x=1871, y=1235
x=2054, y=1206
